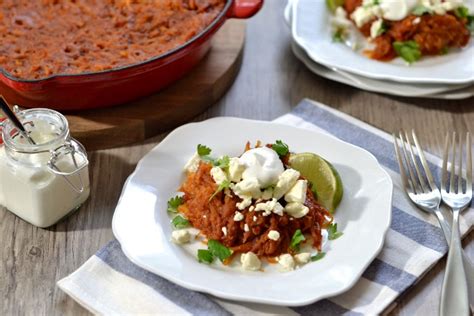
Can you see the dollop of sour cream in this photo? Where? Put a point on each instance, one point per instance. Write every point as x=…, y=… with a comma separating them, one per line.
x=263, y=164
x=396, y=10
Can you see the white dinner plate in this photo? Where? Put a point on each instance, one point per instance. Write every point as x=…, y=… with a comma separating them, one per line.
x=311, y=30
x=142, y=225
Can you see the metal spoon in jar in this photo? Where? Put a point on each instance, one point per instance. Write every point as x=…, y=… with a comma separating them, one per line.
x=12, y=117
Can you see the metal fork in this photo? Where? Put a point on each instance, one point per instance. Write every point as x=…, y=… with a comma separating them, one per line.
x=454, y=294
x=424, y=193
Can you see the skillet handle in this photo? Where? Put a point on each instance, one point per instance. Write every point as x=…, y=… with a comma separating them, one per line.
x=243, y=9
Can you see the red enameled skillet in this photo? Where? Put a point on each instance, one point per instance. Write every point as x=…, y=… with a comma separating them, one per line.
x=120, y=85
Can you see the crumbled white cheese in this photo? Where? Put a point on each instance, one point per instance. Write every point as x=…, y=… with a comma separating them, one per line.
x=224, y=230
x=269, y=207
x=297, y=193
x=417, y=20
x=286, y=180
x=254, y=218
x=180, y=236
x=376, y=28
x=247, y=187
x=235, y=169
x=296, y=210
x=251, y=208
x=250, y=261
x=302, y=258
x=193, y=163
x=246, y=228
x=218, y=175
x=287, y=262
x=238, y=216
x=267, y=194
x=274, y=235
x=362, y=15
x=246, y=201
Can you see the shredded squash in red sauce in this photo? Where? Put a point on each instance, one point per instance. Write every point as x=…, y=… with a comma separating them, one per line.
x=45, y=37
x=210, y=216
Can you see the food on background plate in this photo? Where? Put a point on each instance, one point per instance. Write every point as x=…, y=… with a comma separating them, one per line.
x=44, y=38
x=265, y=204
x=409, y=29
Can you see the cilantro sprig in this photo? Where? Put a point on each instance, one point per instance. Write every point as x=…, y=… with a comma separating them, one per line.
x=409, y=50
x=214, y=250
x=174, y=203
x=419, y=10
x=222, y=162
x=204, y=153
x=296, y=240
x=203, y=150
x=281, y=148
x=318, y=256
x=180, y=222
x=332, y=232
x=224, y=185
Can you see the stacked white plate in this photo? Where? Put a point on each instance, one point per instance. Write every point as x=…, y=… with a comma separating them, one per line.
x=450, y=76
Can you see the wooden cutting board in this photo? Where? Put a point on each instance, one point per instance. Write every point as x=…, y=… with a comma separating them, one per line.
x=177, y=104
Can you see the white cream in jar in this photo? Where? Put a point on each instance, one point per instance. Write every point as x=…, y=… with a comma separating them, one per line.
x=42, y=183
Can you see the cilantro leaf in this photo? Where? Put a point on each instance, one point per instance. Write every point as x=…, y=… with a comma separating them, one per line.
x=420, y=10
x=180, y=222
x=218, y=250
x=297, y=238
x=205, y=256
x=332, y=232
x=382, y=29
x=203, y=150
x=461, y=12
x=222, y=163
x=224, y=185
x=409, y=50
x=470, y=23
x=318, y=256
x=174, y=203
x=338, y=36
x=281, y=148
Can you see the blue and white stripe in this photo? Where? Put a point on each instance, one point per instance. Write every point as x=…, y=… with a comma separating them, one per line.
x=108, y=283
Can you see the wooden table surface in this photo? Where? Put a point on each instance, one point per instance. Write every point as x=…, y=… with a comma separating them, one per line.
x=271, y=82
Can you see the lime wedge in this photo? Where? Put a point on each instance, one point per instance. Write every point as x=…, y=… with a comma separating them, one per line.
x=323, y=176
x=333, y=4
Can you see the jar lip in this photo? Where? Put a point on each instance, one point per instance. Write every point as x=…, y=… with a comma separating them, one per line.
x=27, y=115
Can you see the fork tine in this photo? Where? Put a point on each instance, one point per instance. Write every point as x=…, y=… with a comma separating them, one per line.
x=460, y=189
x=445, y=163
x=415, y=163
x=415, y=185
x=453, y=164
x=425, y=165
x=468, y=164
x=403, y=172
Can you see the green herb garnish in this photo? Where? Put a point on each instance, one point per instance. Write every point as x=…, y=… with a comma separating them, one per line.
x=174, y=203
x=218, y=250
x=332, y=232
x=461, y=12
x=409, y=50
x=339, y=36
x=470, y=23
x=222, y=163
x=297, y=238
x=224, y=185
x=444, y=50
x=281, y=148
x=420, y=10
x=180, y=222
x=205, y=256
x=203, y=150
x=318, y=256
x=382, y=29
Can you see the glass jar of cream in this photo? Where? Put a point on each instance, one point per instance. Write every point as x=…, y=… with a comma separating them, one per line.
x=45, y=181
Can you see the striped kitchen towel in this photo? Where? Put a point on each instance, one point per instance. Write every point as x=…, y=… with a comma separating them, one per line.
x=108, y=283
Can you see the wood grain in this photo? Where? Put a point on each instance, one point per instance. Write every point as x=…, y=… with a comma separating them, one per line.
x=269, y=84
x=177, y=104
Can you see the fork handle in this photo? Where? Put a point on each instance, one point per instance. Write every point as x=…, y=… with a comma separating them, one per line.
x=454, y=295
